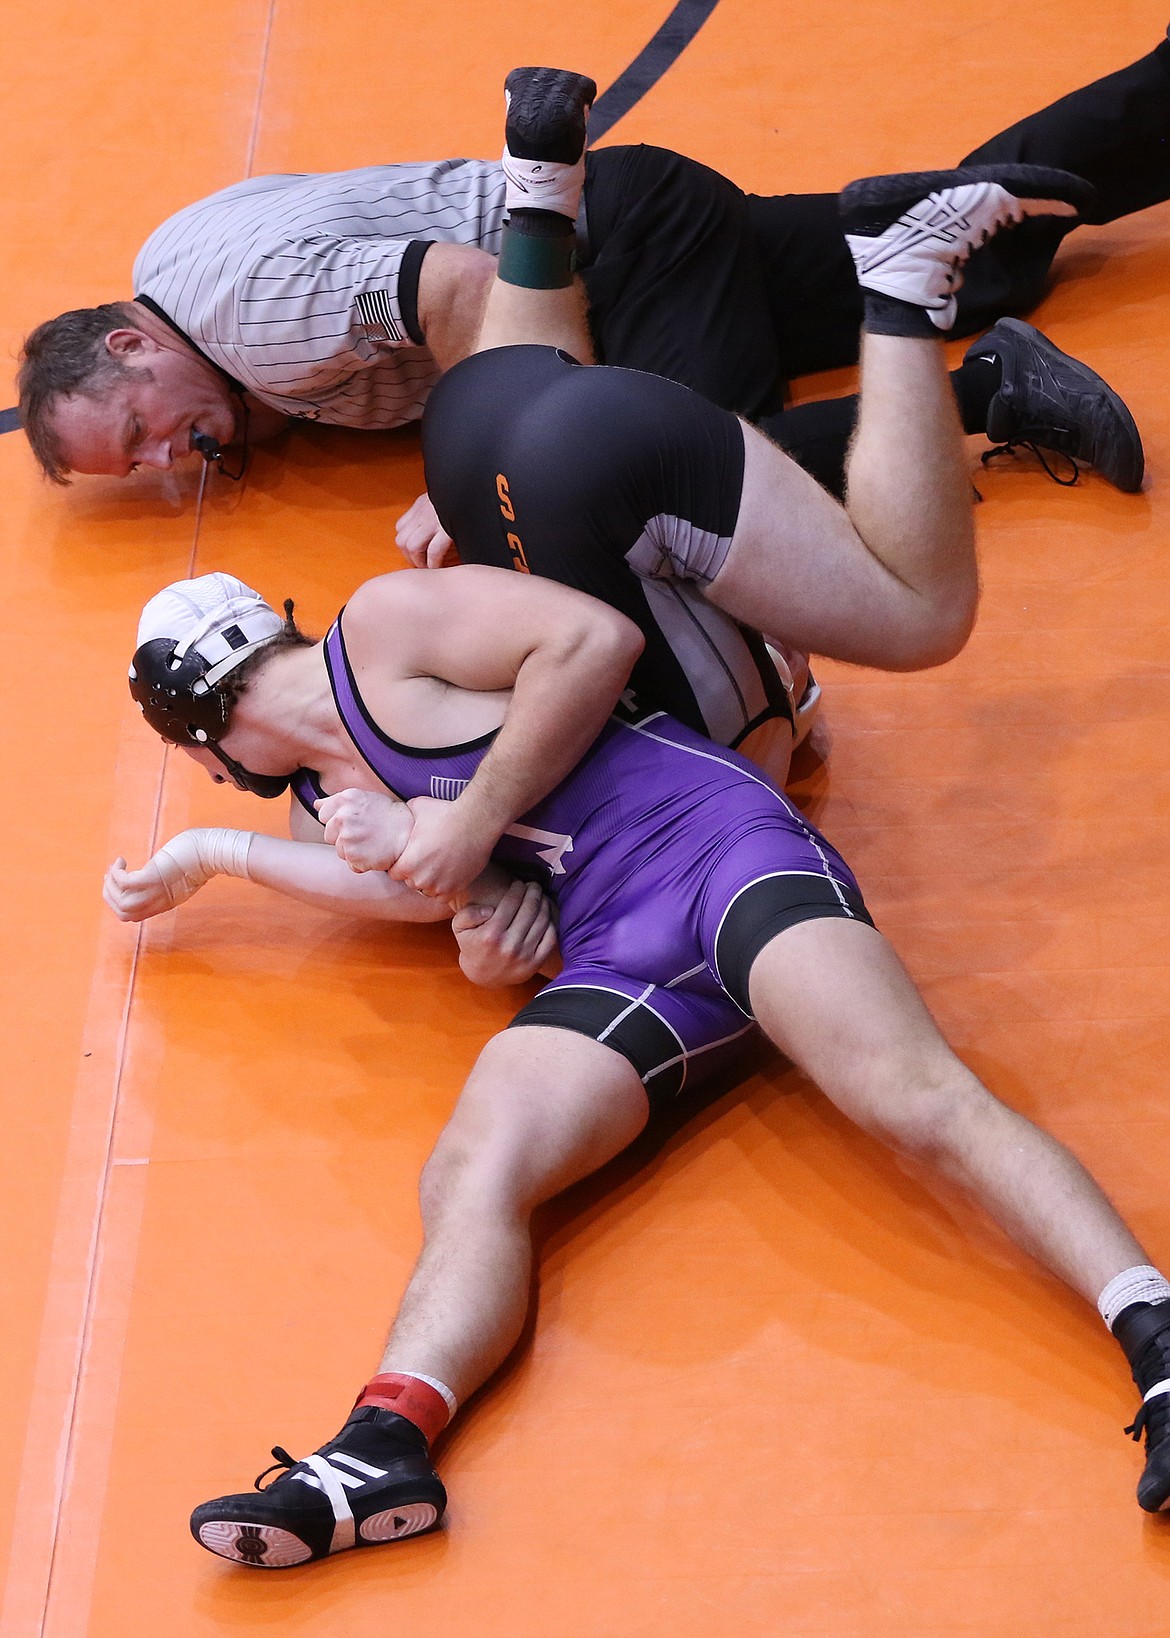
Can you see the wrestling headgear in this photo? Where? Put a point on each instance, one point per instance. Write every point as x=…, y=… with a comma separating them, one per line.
x=190, y=637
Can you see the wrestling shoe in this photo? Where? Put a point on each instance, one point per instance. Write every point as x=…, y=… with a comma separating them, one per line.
x=798, y=682
x=910, y=234
x=1049, y=401
x=807, y=711
x=1143, y=1330
x=544, y=139
x=371, y=1484
x=547, y=111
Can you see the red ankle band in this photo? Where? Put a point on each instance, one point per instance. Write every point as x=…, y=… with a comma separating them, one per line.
x=407, y=1396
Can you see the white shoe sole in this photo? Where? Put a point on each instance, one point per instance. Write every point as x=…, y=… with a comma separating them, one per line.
x=807, y=713
x=274, y=1549
x=267, y=1547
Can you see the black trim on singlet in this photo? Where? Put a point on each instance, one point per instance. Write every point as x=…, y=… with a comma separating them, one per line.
x=379, y=733
x=768, y=907
x=777, y=695
x=713, y=649
x=310, y=777
x=641, y=1036
x=153, y=307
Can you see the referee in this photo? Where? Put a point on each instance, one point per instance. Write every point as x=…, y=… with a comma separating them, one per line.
x=342, y=297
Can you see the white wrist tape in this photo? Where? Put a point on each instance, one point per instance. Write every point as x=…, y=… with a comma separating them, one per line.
x=189, y=860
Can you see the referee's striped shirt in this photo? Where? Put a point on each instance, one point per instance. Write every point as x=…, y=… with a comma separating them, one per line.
x=290, y=283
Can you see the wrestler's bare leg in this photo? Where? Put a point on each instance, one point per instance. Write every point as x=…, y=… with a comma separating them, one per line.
x=515, y=316
x=541, y=1109
x=890, y=579
x=834, y=997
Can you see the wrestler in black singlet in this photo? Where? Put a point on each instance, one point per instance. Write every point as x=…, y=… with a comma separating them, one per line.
x=622, y=485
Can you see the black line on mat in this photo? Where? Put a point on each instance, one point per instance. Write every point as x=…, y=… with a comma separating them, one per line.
x=648, y=67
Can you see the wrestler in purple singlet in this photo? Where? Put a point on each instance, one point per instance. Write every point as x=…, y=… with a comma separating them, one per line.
x=672, y=862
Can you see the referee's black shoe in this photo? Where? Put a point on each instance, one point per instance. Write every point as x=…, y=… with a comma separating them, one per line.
x=547, y=109
x=373, y=1483
x=1143, y=1330
x=1049, y=401
x=911, y=234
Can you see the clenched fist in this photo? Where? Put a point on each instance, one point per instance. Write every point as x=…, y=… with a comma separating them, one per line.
x=445, y=851
x=365, y=828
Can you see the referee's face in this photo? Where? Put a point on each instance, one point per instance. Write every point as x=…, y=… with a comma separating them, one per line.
x=148, y=417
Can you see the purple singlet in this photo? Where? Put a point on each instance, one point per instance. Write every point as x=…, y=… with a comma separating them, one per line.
x=672, y=862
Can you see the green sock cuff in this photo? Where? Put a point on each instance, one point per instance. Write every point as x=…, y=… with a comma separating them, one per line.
x=536, y=264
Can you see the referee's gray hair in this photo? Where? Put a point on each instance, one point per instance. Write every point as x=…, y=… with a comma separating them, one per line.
x=62, y=357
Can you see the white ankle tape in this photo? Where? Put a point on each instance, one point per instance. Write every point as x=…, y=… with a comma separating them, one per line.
x=543, y=184
x=1139, y=1284
x=440, y=1388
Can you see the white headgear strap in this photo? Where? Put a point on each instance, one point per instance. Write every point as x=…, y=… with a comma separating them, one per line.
x=216, y=615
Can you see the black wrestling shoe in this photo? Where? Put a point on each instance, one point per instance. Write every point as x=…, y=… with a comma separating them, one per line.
x=371, y=1484
x=1049, y=401
x=546, y=113
x=911, y=234
x=1143, y=1330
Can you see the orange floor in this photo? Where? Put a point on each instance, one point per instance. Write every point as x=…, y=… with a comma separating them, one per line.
x=774, y=1386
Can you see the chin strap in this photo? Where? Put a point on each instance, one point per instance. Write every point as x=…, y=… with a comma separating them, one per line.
x=265, y=785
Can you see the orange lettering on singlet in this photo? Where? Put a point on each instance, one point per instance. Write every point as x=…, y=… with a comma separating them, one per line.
x=515, y=545
x=519, y=561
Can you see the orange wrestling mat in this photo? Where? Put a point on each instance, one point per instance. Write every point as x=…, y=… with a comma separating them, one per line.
x=773, y=1386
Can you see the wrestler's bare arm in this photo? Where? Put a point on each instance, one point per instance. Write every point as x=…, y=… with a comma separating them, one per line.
x=453, y=286
x=421, y=538
x=300, y=868
x=565, y=658
x=505, y=930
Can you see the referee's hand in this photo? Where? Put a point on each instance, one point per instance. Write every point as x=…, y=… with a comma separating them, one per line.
x=421, y=538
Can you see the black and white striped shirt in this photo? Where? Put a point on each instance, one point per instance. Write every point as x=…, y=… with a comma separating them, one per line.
x=290, y=283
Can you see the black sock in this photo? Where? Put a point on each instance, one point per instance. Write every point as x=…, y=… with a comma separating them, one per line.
x=541, y=224
x=975, y=384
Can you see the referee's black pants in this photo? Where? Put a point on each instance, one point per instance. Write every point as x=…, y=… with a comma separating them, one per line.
x=735, y=294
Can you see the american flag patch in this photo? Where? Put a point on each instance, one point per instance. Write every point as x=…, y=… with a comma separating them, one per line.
x=375, y=318
x=446, y=790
